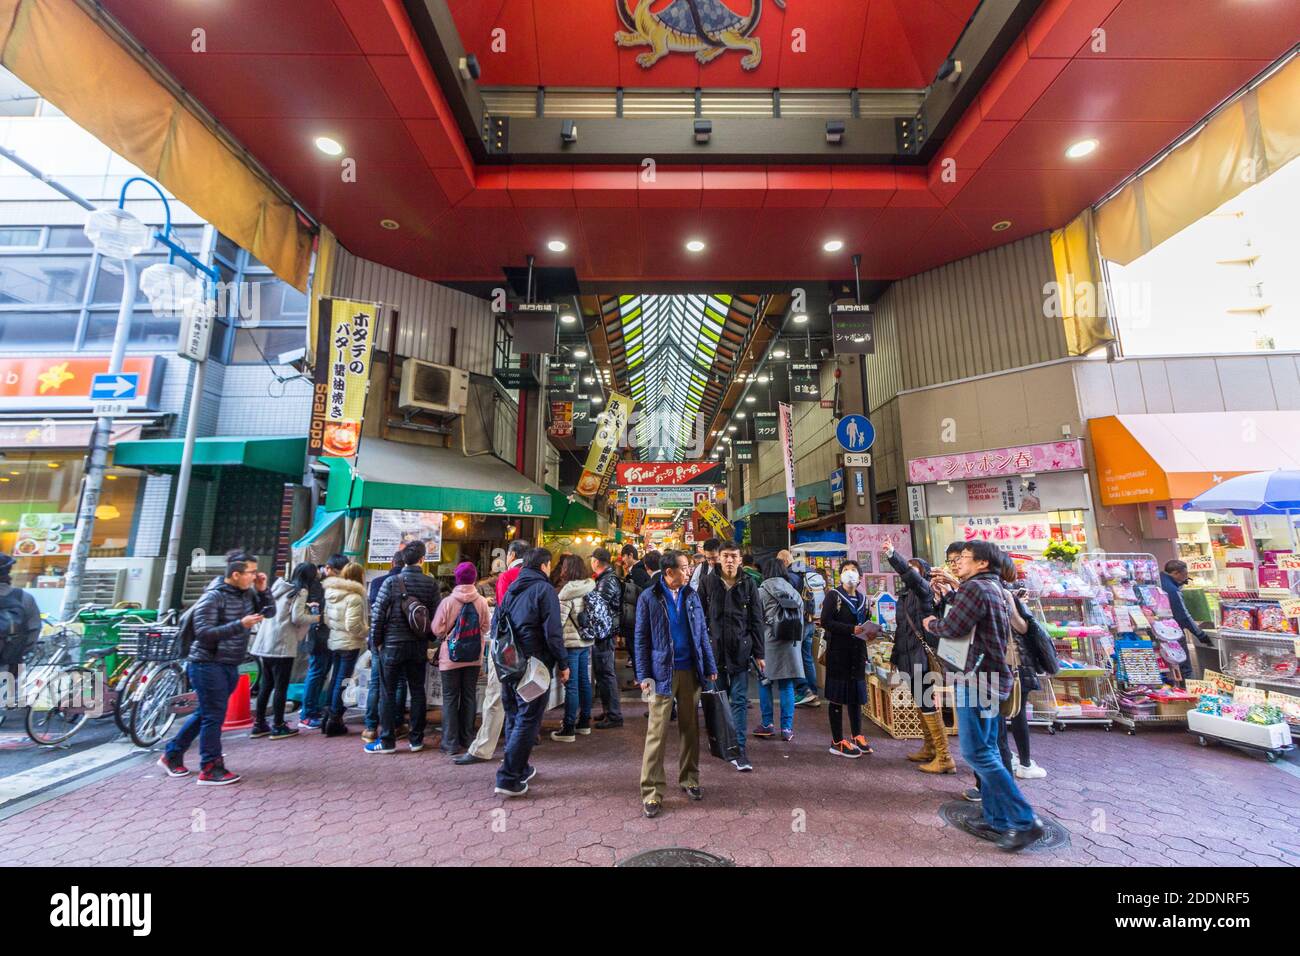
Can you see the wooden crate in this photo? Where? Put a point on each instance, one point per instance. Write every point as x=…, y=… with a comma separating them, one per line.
x=893, y=710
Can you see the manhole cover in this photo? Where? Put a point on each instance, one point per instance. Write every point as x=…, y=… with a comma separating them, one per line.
x=960, y=814
x=676, y=856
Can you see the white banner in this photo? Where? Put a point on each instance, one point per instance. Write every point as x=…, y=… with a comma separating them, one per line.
x=785, y=428
x=392, y=530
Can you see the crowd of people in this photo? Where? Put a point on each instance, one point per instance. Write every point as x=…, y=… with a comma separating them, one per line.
x=710, y=622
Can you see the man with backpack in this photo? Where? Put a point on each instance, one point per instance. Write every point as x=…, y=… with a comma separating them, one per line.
x=401, y=623
x=609, y=591
x=814, y=593
x=461, y=625
x=528, y=625
x=220, y=623
x=20, y=623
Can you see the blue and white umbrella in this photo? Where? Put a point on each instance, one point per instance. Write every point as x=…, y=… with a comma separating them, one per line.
x=1259, y=493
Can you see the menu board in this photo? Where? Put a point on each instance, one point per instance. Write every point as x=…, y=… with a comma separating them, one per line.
x=391, y=530
x=42, y=535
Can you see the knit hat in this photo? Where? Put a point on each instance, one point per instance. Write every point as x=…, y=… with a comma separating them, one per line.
x=466, y=573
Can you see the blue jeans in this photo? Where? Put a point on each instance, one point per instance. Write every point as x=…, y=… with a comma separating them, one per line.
x=344, y=663
x=1005, y=808
x=809, y=683
x=213, y=684
x=373, y=693
x=577, y=693
x=523, y=719
x=785, y=687
x=738, y=694
x=318, y=668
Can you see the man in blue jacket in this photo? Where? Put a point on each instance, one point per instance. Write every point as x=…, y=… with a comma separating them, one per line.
x=534, y=610
x=674, y=658
x=1172, y=581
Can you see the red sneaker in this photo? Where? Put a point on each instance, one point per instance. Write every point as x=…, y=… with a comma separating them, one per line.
x=215, y=774
x=173, y=765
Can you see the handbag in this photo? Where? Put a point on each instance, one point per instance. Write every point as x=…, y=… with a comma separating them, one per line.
x=723, y=742
x=535, y=682
x=954, y=652
x=1014, y=700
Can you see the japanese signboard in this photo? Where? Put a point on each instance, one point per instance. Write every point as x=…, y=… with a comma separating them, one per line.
x=805, y=382
x=196, y=331
x=535, y=327
x=1201, y=565
x=666, y=473
x=915, y=502
x=866, y=545
x=561, y=420
x=603, y=457
x=837, y=488
x=765, y=427
x=1031, y=533
x=64, y=383
x=743, y=451
x=706, y=510
x=392, y=530
x=853, y=329
x=786, y=427
x=664, y=496
x=342, y=376
x=1288, y=562
x=1017, y=460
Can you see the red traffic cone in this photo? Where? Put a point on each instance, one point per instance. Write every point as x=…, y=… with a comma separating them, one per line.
x=239, y=716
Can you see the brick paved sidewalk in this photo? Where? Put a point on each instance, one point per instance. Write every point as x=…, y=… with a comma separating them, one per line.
x=1156, y=798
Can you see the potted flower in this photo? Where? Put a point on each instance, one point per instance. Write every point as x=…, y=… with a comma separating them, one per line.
x=1063, y=551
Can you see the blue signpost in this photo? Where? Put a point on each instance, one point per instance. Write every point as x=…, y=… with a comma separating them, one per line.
x=115, y=387
x=855, y=433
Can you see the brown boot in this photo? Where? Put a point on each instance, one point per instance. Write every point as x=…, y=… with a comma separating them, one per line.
x=926, y=753
x=942, y=762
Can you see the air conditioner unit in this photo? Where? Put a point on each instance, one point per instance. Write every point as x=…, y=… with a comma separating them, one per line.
x=434, y=388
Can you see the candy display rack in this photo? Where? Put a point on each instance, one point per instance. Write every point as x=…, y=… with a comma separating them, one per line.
x=1257, y=641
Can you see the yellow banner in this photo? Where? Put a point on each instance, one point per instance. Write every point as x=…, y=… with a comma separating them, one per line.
x=720, y=525
x=344, y=342
x=603, y=457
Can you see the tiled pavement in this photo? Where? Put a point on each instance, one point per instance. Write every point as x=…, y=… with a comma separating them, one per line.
x=1156, y=798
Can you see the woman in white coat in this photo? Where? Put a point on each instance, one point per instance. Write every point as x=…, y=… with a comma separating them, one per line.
x=348, y=615
x=276, y=647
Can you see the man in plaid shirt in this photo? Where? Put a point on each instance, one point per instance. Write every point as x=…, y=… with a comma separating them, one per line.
x=979, y=607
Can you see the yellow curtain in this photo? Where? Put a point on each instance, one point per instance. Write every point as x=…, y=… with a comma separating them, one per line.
x=1243, y=144
x=1078, y=279
x=322, y=285
x=61, y=52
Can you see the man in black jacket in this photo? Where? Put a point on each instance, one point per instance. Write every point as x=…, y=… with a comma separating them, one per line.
x=534, y=610
x=401, y=650
x=610, y=590
x=221, y=622
x=735, y=617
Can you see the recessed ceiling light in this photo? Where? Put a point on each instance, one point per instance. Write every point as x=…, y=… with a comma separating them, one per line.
x=597, y=399
x=800, y=319
x=568, y=319
x=731, y=428
x=328, y=146
x=589, y=380
x=1081, y=149
x=695, y=245
x=750, y=399
x=762, y=379
x=779, y=353
x=389, y=223
x=557, y=245
x=580, y=353
x=740, y=414
x=833, y=245
x=1002, y=226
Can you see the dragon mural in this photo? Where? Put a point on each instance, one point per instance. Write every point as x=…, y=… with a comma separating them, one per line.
x=707, y=28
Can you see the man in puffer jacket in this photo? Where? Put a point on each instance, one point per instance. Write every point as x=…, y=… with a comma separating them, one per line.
x=222, y=621
x=735, y=617
x=401, y=650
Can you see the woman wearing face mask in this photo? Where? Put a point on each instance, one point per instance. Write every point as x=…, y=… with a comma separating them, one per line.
x=844, y=620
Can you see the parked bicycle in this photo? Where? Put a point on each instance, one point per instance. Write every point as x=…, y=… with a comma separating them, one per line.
x=162, y=693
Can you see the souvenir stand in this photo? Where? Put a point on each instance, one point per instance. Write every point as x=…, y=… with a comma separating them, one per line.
x=1083, y=690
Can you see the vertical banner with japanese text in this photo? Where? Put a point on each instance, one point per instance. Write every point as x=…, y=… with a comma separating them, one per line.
x=344, y=343
x=603, y=457
x=785, y=424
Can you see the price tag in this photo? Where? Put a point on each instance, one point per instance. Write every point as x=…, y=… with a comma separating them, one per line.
x=1199, y=687
x=1288, y=562
x=1222, y=683
x=1291, y=607
x=1139, y=619
x=1249, y=695
x=1200, y=565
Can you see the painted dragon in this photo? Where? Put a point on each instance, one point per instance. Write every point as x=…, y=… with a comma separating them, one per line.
x=706, y=28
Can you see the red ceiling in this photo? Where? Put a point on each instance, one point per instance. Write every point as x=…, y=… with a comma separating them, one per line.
x=278, y=73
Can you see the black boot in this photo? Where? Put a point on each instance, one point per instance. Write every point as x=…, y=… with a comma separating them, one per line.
x=334, y=726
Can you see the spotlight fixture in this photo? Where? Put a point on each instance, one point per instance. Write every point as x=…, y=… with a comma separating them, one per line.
x=580, y=354
x=557, y=245
x=800, y=319
x=835, y=132
x=569, y=131
x=460, y=524
x=703, y=130
x=1081, y=149
x=833, y=245
x=568, y=318
x=329, y=146
x=469, y=68
x=695, y=245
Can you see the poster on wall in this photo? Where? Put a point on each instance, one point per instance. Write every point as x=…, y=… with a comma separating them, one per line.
x=391, y=530
x=785, y=422
x=603, y=457
x=43, y=535
x=866, y=545
x=341, y=378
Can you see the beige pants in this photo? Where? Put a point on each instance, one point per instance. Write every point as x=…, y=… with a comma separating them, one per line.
x=686, y=688
x=494, y=715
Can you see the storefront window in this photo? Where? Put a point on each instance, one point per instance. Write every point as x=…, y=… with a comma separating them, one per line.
x=1223, y=551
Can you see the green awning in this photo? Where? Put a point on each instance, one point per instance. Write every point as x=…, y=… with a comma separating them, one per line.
x=567, y=518
x=408, y=477
x=776, y=504
x=285, y=456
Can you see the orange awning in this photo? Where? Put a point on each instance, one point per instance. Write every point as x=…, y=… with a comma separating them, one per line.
x=1178, y=456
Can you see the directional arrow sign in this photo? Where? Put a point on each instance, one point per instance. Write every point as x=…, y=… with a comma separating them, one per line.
x=120, y=386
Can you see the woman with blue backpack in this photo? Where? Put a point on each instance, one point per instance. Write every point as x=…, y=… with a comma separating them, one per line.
x=461, y=626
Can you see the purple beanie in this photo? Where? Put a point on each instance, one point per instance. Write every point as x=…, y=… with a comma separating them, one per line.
x=466, y=573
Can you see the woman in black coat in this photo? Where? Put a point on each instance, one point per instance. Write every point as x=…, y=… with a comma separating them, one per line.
x=1028, y=643
x=845, y=627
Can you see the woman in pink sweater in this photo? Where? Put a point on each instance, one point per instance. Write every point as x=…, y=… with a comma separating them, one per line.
x=461, y=624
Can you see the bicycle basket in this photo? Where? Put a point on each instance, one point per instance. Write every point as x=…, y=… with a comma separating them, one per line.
x=160, y=644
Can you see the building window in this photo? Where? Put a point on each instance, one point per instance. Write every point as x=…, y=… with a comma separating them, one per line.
x=24, y=237
x=38, y=331
x=43, y=280
x=262, y=318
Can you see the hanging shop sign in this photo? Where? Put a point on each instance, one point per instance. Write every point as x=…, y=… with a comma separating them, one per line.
x=45, y=535
x=196, y=331
x=786, y=427
x=916, y=502
x=536, y=328
x=561, y=420
x=805, y=382
x=807, y=509
x=765, y=426
x=1016, y=460
x=667, y=473
x=344, y=342
x=664, y=496
x=853, y=329
x=720, y=525
x=837, y=488
x=1032, y=533
x=611, y=424
x=743, y=451
x=392, y=530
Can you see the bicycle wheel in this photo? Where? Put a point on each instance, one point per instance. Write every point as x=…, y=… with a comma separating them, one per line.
x=60, y=707
x=152, y=716
x=128, y=686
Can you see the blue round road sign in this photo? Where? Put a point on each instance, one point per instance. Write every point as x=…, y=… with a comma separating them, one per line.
x=855, y=433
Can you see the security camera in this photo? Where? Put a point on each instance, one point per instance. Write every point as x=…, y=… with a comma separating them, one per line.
x=469, y=68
